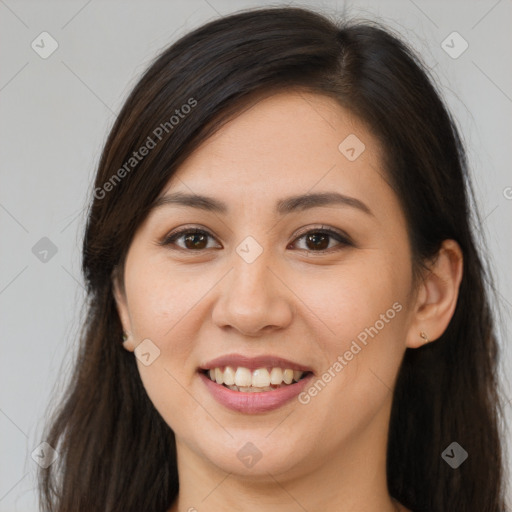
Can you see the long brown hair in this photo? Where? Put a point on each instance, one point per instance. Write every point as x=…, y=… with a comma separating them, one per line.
x=116, y=451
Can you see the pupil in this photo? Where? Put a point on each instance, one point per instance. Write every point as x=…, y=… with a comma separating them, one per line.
x=191, y=237
x=313, y=237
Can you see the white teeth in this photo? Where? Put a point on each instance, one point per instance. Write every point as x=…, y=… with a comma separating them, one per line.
x=242, y=379
x=288, y=376
x=243, y=376
x=229, y=376
x=260, y=378
x=250, y=389
x=276, y=376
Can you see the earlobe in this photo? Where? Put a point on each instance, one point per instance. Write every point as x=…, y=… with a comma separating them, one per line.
x=122, y=309
x=437, y=297
x=128, y=342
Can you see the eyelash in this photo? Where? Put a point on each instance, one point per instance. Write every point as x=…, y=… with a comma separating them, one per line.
x=343, y=239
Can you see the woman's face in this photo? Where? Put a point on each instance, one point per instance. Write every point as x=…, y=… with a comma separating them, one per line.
x=274, y=281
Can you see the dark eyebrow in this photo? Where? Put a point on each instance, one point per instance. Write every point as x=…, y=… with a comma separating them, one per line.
x=303, y=202
x=283, y=206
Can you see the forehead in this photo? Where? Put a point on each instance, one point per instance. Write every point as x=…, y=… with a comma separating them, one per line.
x=286, y=144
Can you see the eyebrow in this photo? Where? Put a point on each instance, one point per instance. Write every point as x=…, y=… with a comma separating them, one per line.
x=283, y=206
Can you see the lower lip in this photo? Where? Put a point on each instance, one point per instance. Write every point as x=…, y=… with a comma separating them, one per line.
x=251, y=403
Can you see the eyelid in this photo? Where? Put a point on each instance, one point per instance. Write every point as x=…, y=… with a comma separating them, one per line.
x=182, y=230
x=324, y=229
x=342, y=237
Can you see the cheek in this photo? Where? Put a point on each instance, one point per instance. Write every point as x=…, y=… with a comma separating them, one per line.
x=366, y=315
x=362, y=308
x=164, y=305
x=160, y=298
x=354, y=297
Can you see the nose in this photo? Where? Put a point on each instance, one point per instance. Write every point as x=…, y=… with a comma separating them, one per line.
x=254, y=299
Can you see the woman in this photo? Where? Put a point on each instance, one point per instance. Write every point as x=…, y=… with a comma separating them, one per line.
x=280, y=236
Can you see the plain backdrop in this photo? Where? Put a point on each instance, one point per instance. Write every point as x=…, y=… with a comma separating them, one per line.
x=55, y=115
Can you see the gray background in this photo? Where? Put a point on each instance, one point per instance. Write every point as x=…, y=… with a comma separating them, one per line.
x=56, y=112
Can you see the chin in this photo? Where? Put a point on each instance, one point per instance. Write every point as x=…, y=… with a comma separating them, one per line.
x=254, y=454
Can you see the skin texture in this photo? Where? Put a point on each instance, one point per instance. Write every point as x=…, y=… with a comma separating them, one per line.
x=294, y=301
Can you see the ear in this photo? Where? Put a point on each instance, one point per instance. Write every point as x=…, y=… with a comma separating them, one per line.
x=122, y=307
x=437, y=295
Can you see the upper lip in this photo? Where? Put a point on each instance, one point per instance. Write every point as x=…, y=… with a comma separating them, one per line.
x=253, y=363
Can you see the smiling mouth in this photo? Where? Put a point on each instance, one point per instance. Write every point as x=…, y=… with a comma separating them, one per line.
x=254, y=381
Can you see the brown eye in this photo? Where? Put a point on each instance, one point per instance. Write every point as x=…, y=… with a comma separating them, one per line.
x=193, y=239
x=318, y=240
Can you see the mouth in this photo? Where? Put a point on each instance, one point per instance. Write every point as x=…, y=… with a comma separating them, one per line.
x=251, y=385
x=259, y=380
